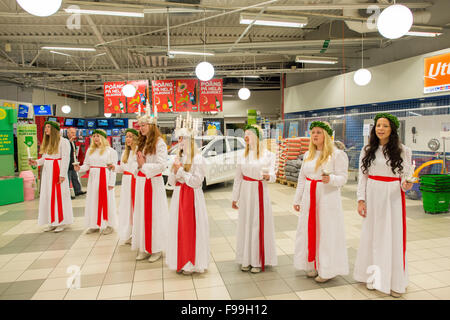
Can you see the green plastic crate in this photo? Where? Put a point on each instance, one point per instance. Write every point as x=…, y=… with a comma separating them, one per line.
x=436, y=202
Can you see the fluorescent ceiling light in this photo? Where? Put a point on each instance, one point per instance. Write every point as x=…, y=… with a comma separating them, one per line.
x=106, y=12
x=273, y=20
x=423, y=34
x=318, y=60
x=69, y=48
x=177, y=10
x=194, y=53
x=252, y=77
x=63, y=54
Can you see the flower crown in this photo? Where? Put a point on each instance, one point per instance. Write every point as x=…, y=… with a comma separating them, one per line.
x=53, y=124
x=322, y=125
x=188, y=127
x=388, y=116
x=254, y=129
x=100, y=132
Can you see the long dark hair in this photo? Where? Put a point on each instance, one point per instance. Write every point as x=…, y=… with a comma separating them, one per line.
x=392, y=150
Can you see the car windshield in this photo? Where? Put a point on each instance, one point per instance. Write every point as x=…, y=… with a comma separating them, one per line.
x=201, y=143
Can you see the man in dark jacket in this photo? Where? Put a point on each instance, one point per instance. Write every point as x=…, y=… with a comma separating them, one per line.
x=72, y=174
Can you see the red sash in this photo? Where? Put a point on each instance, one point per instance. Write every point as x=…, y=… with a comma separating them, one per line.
x=148, y=207
x=102, y=197
x=312, y=227
x=56, y=186
x=261, y=219
x=133, y=188
x=186, y=226
x=391, y=179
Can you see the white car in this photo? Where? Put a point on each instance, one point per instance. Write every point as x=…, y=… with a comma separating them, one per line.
x=220, y=153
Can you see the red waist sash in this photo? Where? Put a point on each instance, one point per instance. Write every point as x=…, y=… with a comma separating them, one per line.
x=56, y=188
x=133, y=187
x=186, y=226
x=148, y=208
x=312, y=226
x=261, y=219
x=391, y=179
x=102, y=197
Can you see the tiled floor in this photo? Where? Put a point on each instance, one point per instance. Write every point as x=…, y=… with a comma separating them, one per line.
x=34, y=264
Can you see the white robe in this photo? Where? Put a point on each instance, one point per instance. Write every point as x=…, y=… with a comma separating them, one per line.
x=92, y=194
x=194, y=179
x=246, y=193
x=331, y=250
x=125, y=202
x=45, y=196
x=381, y=243
x=155, y=165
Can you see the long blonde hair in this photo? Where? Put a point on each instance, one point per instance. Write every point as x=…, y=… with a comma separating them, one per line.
x=327, y=151
x=50, y=143
x=128, y=149
x=103, y=145
x=258, y=143
x=189, y=155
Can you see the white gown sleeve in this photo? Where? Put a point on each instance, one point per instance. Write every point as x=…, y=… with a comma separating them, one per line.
x=112, y=174
x=407, y=163
x=340, y=174
x=193, y=178
x=237, y=183
x=272, y=167
x=153, y=169
x=300, y=183
x=64, y=146
x=86, y=164
x=362, y=179
x=41, y=160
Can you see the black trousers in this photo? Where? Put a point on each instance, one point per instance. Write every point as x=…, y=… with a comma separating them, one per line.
x=73, y=177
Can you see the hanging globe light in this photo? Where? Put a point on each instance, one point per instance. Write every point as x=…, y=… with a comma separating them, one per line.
x=204, y=71
x=244, y=93
x=362, y=77
x=129, y=90
x=66, y=108
x=395, y=21
x=42, y=8
x=108, y=115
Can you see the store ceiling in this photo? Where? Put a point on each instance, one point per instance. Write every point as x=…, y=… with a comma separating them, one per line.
x=136, y=48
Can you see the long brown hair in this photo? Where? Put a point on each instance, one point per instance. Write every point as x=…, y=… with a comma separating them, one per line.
x=128, y=149
x=147, y=144
x=50, y=143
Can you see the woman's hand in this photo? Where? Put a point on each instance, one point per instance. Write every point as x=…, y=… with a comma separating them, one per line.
x=140, y=159
x=32, y=162
x=76, y=167
x=297, y=207
x=325, y=179
x=234, y=205
x=112, y=167
x=407, y=185
x=61, y=180
x=266, y=177
x=362, y=210
x=110, y=187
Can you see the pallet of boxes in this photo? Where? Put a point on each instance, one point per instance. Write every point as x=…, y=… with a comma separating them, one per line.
x=290, y=155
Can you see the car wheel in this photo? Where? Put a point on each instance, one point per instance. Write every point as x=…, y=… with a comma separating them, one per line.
x=204, y=184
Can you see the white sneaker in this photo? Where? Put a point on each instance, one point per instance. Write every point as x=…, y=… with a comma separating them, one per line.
x=312, y=274
x=255, y=270
x=49, y=228
x=187, y=272
x=128, y=241
x=154, y=257
x=142, y=255
x=92, y=230
x=369, y=286
x=58, y=229
x=320, y=279
x=247, y=268
x=108, y=230
x=395, y=294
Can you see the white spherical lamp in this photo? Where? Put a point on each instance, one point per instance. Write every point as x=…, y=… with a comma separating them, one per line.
x=244, y=93
x=395, y=21
x=204, y=71
x=362, y=77
x=108, y=115
x=129, y=90
x=42, y=8
x=66, y=108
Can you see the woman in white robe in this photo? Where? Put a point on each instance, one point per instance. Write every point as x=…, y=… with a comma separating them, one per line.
x=320, y=247
x=188, y=243
x=255, y=245
x=55, y=205
x=151, y=212
x=384, y=166
x=100, y=211
x=128, y=167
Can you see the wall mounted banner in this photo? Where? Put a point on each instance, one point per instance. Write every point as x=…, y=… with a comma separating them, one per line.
x=211, y=93
x=163, y=95
x=139, y=101
x=437, y=73
x=116, y=102
x=186, y=95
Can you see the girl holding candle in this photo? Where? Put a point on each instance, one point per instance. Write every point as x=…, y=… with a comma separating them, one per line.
x=150, y=215
x=55, y=205
x=256, y=233
x=320, y=247
x=100, y=211
x=128, y=167
x=384, y=166
x=188, y=245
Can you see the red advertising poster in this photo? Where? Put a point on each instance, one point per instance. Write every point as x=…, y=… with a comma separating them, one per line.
x=116, y=102
x=163, y=95
x=211, y=93
x=186, y=95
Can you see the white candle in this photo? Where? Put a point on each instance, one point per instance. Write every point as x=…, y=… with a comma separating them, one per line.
x=28, y=151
